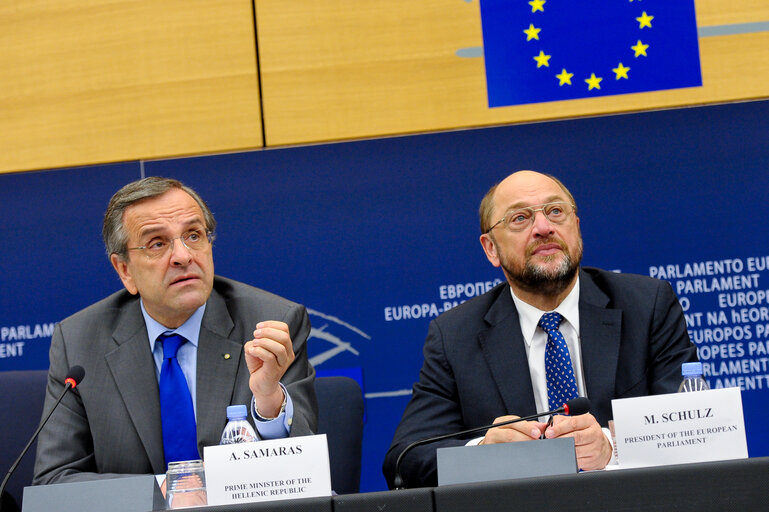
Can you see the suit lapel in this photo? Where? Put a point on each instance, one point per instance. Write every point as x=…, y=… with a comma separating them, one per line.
x=133, y=369
x=600, y=334
x=218, y=361
x=503, y=348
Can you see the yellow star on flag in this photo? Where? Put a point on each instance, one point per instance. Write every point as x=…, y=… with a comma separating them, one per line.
x=593, y=82
x=542, y=59
x=564, y=77
x=620, y=71
x=532, y=32
x=640, y=48
x=536, y=5
x=645, y=20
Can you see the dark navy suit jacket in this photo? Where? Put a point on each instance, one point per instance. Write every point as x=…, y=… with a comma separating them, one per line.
x=633, y=338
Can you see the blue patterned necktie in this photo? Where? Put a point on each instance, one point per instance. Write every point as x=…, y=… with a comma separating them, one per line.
x=176, y=412
x=561, y=384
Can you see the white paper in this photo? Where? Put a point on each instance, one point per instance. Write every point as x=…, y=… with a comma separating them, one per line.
x=279, y=469
x=679, y=428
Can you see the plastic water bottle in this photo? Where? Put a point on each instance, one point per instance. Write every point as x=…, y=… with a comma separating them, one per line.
x=693, y=379
x=238, y=429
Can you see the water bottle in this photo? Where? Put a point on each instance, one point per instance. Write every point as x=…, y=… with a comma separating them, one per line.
x=238, y=429
x=693, y=379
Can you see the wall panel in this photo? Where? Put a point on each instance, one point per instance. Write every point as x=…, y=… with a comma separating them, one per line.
x=92, y=81
x=331, y=72
x=721, y=12
x=88, y=81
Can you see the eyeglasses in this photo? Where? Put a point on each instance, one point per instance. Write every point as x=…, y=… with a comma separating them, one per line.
x=522, y=218
x=195, y=240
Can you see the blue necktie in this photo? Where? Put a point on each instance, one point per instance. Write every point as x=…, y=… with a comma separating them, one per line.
x=176, y=412
x=561, y=384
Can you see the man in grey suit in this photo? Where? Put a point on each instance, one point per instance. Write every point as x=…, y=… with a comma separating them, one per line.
x=486, y=361
x=239, y=345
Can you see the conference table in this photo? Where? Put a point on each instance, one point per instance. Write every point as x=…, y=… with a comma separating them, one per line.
x=710, y=486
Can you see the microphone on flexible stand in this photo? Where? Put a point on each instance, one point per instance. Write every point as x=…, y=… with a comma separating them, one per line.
x=74, y=377
x=574, y=407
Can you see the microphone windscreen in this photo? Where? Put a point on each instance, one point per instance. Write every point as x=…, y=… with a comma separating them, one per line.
x=75, y=375
x=577, y=406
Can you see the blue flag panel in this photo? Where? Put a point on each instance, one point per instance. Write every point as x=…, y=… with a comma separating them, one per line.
x=550, y=50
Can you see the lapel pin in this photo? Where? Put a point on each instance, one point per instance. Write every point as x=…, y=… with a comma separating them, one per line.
x=226, y=356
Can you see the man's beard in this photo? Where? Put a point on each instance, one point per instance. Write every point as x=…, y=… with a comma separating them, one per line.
x=542, y=281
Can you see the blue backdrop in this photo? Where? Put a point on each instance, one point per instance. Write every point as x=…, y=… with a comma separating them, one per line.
x=377, y=237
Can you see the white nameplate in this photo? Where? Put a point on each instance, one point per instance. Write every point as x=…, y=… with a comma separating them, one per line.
x=279, y=469
x=680, y=427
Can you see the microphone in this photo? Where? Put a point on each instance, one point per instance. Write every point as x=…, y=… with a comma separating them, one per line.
x=73, y=378
x=574, y=407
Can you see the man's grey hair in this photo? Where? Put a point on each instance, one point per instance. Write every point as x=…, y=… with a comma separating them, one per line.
x=113, y=230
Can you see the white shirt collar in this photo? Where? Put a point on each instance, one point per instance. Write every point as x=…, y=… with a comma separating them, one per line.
x=529, y=315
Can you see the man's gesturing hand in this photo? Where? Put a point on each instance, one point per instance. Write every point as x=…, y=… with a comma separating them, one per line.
x=268, y=356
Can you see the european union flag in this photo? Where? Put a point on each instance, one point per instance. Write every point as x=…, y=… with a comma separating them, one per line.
x=549, y=50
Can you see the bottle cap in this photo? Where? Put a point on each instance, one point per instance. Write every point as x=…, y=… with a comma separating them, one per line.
x=236, y=412
x=691, y=369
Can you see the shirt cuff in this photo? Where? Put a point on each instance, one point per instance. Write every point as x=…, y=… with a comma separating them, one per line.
x=613, y=460
x=276, y=428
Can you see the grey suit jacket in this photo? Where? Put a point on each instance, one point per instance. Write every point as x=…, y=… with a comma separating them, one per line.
x=633, y=339
x=110, y=424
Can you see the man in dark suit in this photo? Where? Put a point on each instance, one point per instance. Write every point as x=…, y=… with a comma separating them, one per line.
x=552, y=332
x=158, y=235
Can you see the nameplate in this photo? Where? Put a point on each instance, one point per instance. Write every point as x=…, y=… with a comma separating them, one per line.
x=129, y=494
x=279, y=469
x=504, y=461
x=680, y=427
